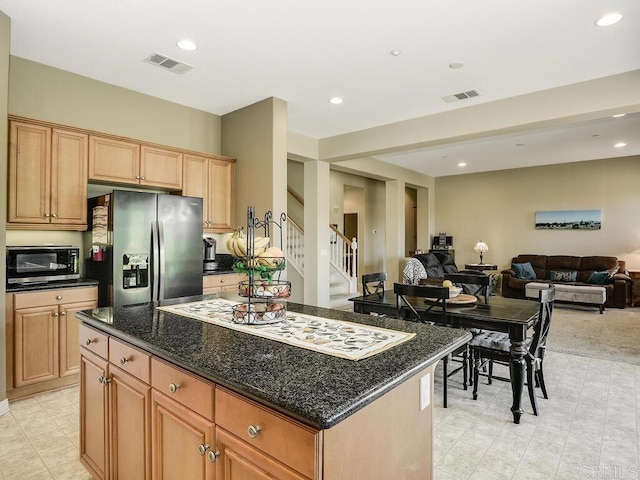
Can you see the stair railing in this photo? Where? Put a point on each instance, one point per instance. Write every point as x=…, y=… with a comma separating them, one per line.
x=343, y=255
x=295, y=246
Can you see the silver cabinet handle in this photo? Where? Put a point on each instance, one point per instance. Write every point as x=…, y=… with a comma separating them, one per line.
x=88, y=342
x=104, y=380
x=174, y=387
x=55, y=314
x=213, y=456
x=137, y=177
x=142, y=177
x=202, y=449
x=59, y=297
x=254, y=430
x=54, y=215
x=46, y=215
x=123, y=360
x=64, y=314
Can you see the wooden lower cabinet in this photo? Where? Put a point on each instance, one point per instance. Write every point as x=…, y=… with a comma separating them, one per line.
x=94, y=420
x=43, y=337
x=224, y=282
x=182, y=441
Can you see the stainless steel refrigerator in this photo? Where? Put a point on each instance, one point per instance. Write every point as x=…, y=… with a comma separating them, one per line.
x=144, y=246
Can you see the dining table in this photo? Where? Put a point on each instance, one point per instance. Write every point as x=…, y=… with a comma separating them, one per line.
x=510, y=315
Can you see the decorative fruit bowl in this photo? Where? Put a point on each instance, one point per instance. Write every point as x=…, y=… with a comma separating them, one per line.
x=265, y=289
x=259, y=313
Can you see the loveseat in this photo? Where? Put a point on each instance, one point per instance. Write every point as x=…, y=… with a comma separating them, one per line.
x=608, y=272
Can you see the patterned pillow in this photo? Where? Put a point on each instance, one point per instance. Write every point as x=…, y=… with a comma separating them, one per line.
x=524, y=271
x=563, y=275
x=598, y=278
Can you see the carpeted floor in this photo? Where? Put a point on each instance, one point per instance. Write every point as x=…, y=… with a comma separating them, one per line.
x=614, y=335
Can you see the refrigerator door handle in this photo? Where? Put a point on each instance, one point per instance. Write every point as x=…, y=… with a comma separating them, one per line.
x=161, y=260
x=155, y=254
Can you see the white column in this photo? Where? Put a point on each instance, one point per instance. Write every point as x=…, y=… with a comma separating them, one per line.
x=316, y=233
x=394, y=235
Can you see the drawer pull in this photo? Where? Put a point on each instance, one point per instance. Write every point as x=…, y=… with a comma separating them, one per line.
x=213, y=456
x=254, y=430
x=88, y=342
x=104, y=380
x=59, y=297
x=173, y=388
x=202, y=449
x=123, y=360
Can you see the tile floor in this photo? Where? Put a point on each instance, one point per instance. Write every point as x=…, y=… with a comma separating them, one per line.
x=586, y=430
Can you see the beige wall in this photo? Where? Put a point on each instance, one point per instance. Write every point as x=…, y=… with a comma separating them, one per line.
x=499, y=208
x=46, y=93
x=5, y=35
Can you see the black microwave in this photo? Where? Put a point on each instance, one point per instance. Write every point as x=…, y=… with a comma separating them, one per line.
x=41, y=264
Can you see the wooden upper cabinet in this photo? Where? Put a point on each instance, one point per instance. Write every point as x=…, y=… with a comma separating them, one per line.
x=160, y=168
x=114, y=160
x=214, y=181
x=47, y=177
x=69, y=178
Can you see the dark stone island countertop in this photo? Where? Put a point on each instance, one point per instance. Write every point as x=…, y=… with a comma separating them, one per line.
x=317, y=389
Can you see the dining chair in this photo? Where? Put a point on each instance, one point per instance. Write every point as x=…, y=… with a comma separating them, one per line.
x=379, y=278
x=472, y=283
x=436, y=313
x=491, y=347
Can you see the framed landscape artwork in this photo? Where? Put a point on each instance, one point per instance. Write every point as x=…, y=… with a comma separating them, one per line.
x=569, y=220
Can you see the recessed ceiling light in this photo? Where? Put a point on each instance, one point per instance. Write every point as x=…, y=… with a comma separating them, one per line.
x=336, y=100
x=187, y=45
x=462, y=164
x=519, y=144
x=620, y=145
x=609, y=19
x=455, y=65
x=595, y=135
x=445, y=157
x=395, y=53
x=618, y=115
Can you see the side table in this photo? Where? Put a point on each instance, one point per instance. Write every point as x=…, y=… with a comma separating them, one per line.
x=635, y=286
x=481, y=267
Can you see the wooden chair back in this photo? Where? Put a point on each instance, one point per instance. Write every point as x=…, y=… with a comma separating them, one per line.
x=436, y=307
x=379, y=278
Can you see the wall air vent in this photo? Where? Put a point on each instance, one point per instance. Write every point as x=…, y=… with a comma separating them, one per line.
x=456, y=97
x=167, y=63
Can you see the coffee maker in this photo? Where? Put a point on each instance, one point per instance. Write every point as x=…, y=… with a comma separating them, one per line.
x=209, y=254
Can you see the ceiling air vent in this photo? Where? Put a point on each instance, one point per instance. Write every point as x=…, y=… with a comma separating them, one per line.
x=456, y=97
x=167, y=63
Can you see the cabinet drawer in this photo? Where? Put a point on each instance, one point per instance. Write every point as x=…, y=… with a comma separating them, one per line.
x=225, y=280
x=182, y=386
x=284, y=439
x=55, y=297
x=93, y=340
x=130, y=359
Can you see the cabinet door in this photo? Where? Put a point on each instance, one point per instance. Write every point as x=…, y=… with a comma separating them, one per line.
x=114, y=160
x=69, y=178
x=178, y=434
x=36, y=345
x=94, y=422
x=160, y=168
x=129, y=404
x=29, y=173
x=195, y=182
x=69, y=339
x=240, y=461
x=221, y=195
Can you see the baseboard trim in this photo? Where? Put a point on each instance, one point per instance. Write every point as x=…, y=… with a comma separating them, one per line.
x=4, y=406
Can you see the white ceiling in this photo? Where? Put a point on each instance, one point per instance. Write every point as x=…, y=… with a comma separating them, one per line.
x=305, y=52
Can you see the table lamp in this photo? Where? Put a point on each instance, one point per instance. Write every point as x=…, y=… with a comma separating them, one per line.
x=481, y=247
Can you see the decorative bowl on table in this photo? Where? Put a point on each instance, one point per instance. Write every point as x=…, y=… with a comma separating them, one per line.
x=259, y=313
x=454, y=291
x=265, y=289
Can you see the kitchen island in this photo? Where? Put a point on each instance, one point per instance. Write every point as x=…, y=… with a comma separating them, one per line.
x=181, y=398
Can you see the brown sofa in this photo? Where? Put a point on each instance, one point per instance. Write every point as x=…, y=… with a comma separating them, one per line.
x=617, y=287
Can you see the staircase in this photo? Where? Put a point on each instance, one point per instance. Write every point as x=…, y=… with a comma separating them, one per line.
x=343, y=276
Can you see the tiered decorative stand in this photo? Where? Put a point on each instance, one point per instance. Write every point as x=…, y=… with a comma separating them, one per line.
x=263, y=287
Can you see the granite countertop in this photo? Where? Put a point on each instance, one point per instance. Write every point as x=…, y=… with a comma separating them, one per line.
x=317, y=389
x=81, y=282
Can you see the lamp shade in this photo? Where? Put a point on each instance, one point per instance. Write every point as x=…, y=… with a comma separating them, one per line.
x=481, y=247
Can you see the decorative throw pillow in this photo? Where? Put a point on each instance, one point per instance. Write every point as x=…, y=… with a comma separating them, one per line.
x=524, y=271
x=563, y=275
x=598, y=278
